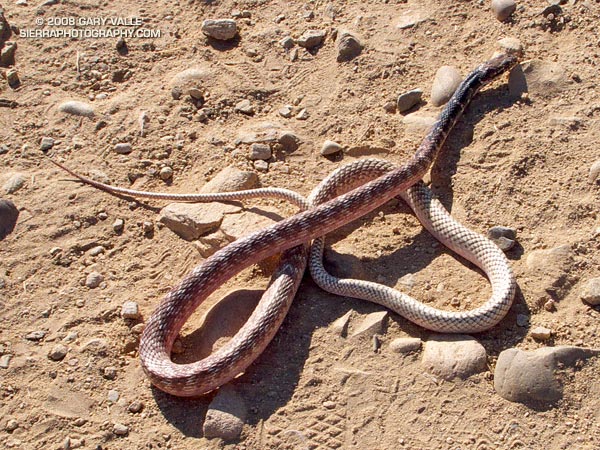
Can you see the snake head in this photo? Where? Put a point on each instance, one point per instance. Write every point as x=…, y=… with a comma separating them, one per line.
x=497, y=66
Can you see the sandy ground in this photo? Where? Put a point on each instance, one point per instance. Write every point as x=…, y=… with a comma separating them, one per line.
x=518, y=162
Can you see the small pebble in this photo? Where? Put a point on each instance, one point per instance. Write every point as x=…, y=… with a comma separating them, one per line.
x=220, y=29
x=550, y=305
x=36, y=335
x=46, y=144
x=135, y=407
x=446, y=80
x=503, y=9
x=591, y=292
x=93, y=280
x=329, y=404
x=110, y=373
x=58, y=352
x=9, y=214
x=594, y=172
x=348, y=46
x=287, y=42
x=261, y=165
x=147, y=227
x=260, y=151
x=511, y=45
x=285, y=111
x=76, y=108
x=5, y=361
x=11, y=425
x=390, y=107
x=123, y=148
x=522, y=320
x=409, y=99
x=330, y=147
x=120, y=429
x=95, y=251
x=14, y=183
x=12, y=78
x=245, y=107
x=113, y=396
x=102, y=216
x=130, y=310
x=118, y=225
x=166, y=173
x=541, y=333
x=503, y=237
x=406, y=345
x=302, y=115
x=311, y=39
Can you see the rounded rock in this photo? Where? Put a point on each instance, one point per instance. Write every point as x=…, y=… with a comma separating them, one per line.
x=14, y=183
x=225, y=415
x=120, y=430
x=406, y=345
x=11, y=425
x=8, y=217
x=76, y=108
x=594, y=172
x=93, y=280
x=58, y=352
x=123, y=148
x=220, y=29
x=511, y=45
x=409, y=99
x=348, y=46
x=166, y=173
x=503, y=9
x=135, y=407
x=454, y=356
x=591, y=292
x=330, y=147
x=446, y=80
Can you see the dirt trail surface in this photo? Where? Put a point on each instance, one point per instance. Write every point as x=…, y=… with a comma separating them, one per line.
x=170, y=112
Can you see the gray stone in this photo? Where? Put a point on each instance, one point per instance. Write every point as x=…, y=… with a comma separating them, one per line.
x=58, y=352
x=541, y=333
x=93, y=280
x=113, y=396
x=503, y=9
x=120, y=430
x=245, y=107
x=511, y=45
x=130, y=310
x=47, y=143
x=412, y=17
x=5, y=361
x=529, y=377
x=123, y=148
x=8, y=217
x=260, y=151
x=110, y=373
x=348, y=46
x=311, y=39
x=221, y=29
x=289, y=141
x=522, y=320
x=192, y=220
x=340, y=325
x=591, y=292
x=452, y=356
x=302, y=115
x=285, y=111
x=372, y=324
x=135, y=407
x=166, y=173
x=503, y=237
x=409, y=99
x=406, y=345
x=12, y=78
x=77, y=108
x=7, y=54
x=11, y=425
x=231, y=179
x=594, y=172
x=287, y=42
x=330, y=147
x=36, y=335
x=15, y=182
x=447, y=79
x=225, y=415
x=97, y=250
x=261, y=166
x=418, y=124
x=118, y=225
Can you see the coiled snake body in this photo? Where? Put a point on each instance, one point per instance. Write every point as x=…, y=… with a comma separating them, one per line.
x=347, y=194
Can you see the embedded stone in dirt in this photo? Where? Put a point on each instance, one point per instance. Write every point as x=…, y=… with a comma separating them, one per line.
x=550, y=267
x=340, y=326
x=311, y=39
x=543, y=78
x=348, y=46
x=15, y=182
x=418, y=124
x=409, y=99
x=330, y=147
x=452, y=356
x=231, y=179
x=372, y=324
x=93, y=280
x=221, y=29
x=447, y=79
x=591, y=292
x=8, y=217
x=77, y=108
x=225, y=416
x=192, y=220
x=594, y=172
x=406, y=345
x=529, y=376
